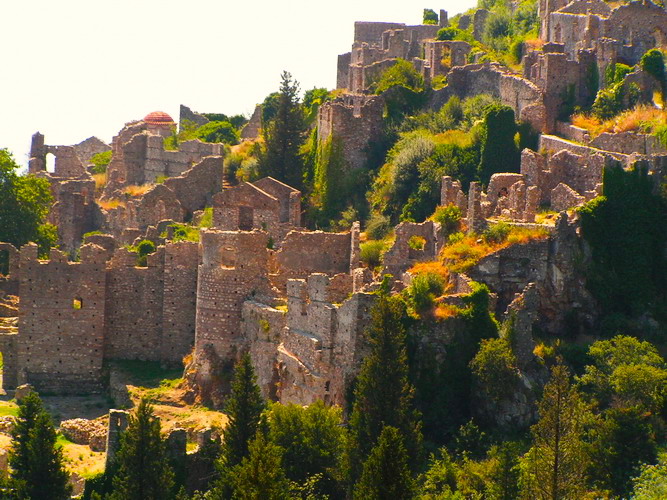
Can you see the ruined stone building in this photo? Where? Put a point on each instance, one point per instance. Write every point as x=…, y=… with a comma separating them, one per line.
x=257, y=280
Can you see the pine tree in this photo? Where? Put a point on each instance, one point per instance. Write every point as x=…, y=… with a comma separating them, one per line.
x=386, y=474
x=143, y=470
x=38, y=468
x=383, y=395
x=555, y=467
x=284, y=136
x=260, y=475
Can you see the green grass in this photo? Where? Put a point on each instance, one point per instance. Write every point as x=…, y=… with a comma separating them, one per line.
x=148, y=373
x=8, y=408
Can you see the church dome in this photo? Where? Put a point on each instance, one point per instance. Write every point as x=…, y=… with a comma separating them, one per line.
x=158, y=118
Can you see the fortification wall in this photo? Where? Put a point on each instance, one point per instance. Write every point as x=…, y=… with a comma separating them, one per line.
x=134, y=298
x=61, y=320
x=195, y=188
x=179, y=309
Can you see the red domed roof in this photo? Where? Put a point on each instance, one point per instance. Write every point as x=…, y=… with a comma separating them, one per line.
x=158, y=118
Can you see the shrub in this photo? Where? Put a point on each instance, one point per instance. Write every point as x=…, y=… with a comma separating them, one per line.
x=218, y=132
x=417, y=242
x=371, y=253
x=609, y=102
x=423, y=291
x=497, y=233
x=143, y=249
x=378, y=226
x=448, y=217
x=403, y=74
x=100, y=162
x=448, y=33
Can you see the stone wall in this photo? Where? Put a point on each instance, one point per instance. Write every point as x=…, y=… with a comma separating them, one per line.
x=61, y=320
x=195, y=187
x=401, y=256
x=134, y=297
x=353, y=120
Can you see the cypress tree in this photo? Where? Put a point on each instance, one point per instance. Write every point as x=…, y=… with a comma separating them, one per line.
x=383, y=395
x=499, y=151
x=38, y=468
x=143, y=470
x=284, y=135
x=386, y=474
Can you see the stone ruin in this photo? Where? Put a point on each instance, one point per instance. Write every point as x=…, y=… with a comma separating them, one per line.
x=257, y=281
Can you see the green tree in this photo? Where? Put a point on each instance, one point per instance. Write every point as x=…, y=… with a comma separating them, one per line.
x=243, y=409
x=504, y=471
x=430, y=17
x=260, y=475
x=626, y=230
x=24, y=205
x=312, y=441
x=383, y=395
x=386, y=474
x=499, y=150
x=624, y=441
x=143, y=471
x=37, y=465
x=653, y=62
x=218, y=131
x=626, y=372
x=494, y=369
x=651, y=484
x=403, y=74
x=284, y=136
x=555, y=466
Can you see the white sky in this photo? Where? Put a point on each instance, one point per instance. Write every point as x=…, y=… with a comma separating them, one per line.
x=72, y=69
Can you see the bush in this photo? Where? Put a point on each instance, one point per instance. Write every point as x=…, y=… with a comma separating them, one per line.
x=497, y=233
x=218, y=132
x=448, y=33
x=100, y=162
x=448, y=217
x=653, y=62
x=371, y=253
x=423, y=291
x=403, y=73
x=143, y=249
x=430, y=17
x=378, y=226
x=609, y=102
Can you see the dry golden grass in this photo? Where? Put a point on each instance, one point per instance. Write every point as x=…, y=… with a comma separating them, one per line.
x=640, y=119
x=110, y=204
x=533, y=44
x=460, y=256
x=133, y=190
x=445, y=311
x=100, y=180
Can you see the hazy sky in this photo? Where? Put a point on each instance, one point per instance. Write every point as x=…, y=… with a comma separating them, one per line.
x=72, y=69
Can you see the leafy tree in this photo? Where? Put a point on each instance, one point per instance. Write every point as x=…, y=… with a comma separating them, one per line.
x=312, y=100
x=37, y=465
x=555, y=466
x=504, y=471
x=284, y=136
x=403, y=74
x=494, y=368
x=430, y=17
x=218, y=131
x=101, y=161
x=143, y=471
x=499, y=150
x=448, y=33
x=651, y=484
x=312, y=441
x=623, y=442
x=260, y=475
x=626, y=230
x=24, y=205
x=439, y=480
x=383, y=395
x=386, y=474
x=626, y=372
x=653, y=62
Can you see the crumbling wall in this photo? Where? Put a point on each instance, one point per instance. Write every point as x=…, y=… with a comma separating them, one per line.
x=355, y=121
x=186, y=114
x=195, y=188
x=251, y=130
x=9, y=277
x=61, y=320
x=305, y=252
x=401, y=256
